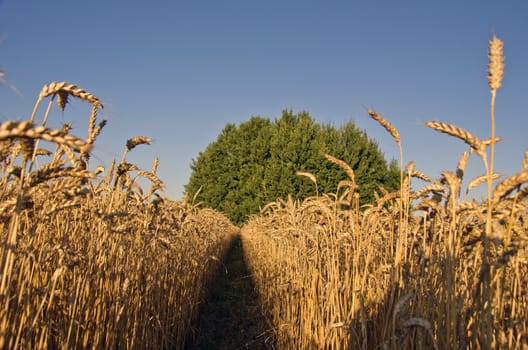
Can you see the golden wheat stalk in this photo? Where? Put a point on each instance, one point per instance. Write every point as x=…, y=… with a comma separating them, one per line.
x=509, y=184
x=125, y=168
x=136, y=141
x=467, y=206
x=311, y=177
x=495, y=75
x=71, y=156
x=152, y=177
x=110, y=173
x=427, y=204
x=155, y=164
x=459, y=133
x=43, y=152
x=345, y=183
x=417, y=174
x=488, y=142
x=92, y=121
x=6, y=149
x=96, y=131
x=66, y=128
x=27, y=146
x=132, y=143
x=449, y=178
x=480, y=180
x=386, y=124
x=17, y=130
x=410, y=167
x=380, y=201
x=453, y=183
x=55, y=164
x=58, y=172
x=403, y=196
x=308, y=175
x=434, y=187
x=462, y=163
x=343, y=165
x=62, y=88
x=496, y=63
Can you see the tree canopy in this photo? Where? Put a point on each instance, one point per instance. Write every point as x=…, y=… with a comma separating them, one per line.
x=257, y=162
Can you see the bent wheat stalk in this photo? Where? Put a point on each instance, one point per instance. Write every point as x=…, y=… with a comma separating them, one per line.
x=26, y=130
x=459, y=133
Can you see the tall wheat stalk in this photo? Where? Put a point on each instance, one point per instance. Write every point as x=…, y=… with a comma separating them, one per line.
x=495, y=75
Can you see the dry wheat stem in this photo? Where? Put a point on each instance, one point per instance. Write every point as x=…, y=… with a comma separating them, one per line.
x=480, y=180
x=495, y=75
x=92, y=123
x=96, y=131
x=419, y=175
x=386, y=124
x=155, y=164
x=136, y=141
x=435, y=187
x=16, y=130
x=508, y=185
x=57, y=172
x=343, y=165
x=462, y=163
x=403, y=194
x=71, y=89
x=459, y=133
x=152, y=177
x=410, y=167
x=487, y=142
x=63, y=90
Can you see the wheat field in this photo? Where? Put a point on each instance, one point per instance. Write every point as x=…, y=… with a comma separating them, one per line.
x=419, y=269
x=91, y=258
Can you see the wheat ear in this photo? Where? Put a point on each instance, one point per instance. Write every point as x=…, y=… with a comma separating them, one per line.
x=508, y=185
x=480, y=180
x=71, y=89
x=17, y=130
x=386, y=124
x=496, y=63
x=311, y=177
x=459, y=133
x=343, y=165
x=462, y=163
x=136, y=141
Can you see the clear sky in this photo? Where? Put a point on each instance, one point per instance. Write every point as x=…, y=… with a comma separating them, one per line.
x=178, y=71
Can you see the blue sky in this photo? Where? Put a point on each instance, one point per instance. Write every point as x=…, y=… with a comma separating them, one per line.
x=180, y=71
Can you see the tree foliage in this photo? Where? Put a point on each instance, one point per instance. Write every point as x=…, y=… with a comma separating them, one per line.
x=256, y=162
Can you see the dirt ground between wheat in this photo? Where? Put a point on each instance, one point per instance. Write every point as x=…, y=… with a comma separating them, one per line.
x=231, y=317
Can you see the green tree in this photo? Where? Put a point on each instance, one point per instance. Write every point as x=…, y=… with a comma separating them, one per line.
x=256, y=162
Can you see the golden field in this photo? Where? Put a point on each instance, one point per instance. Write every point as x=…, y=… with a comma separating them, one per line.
x=92, y=259
x=420, y=269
